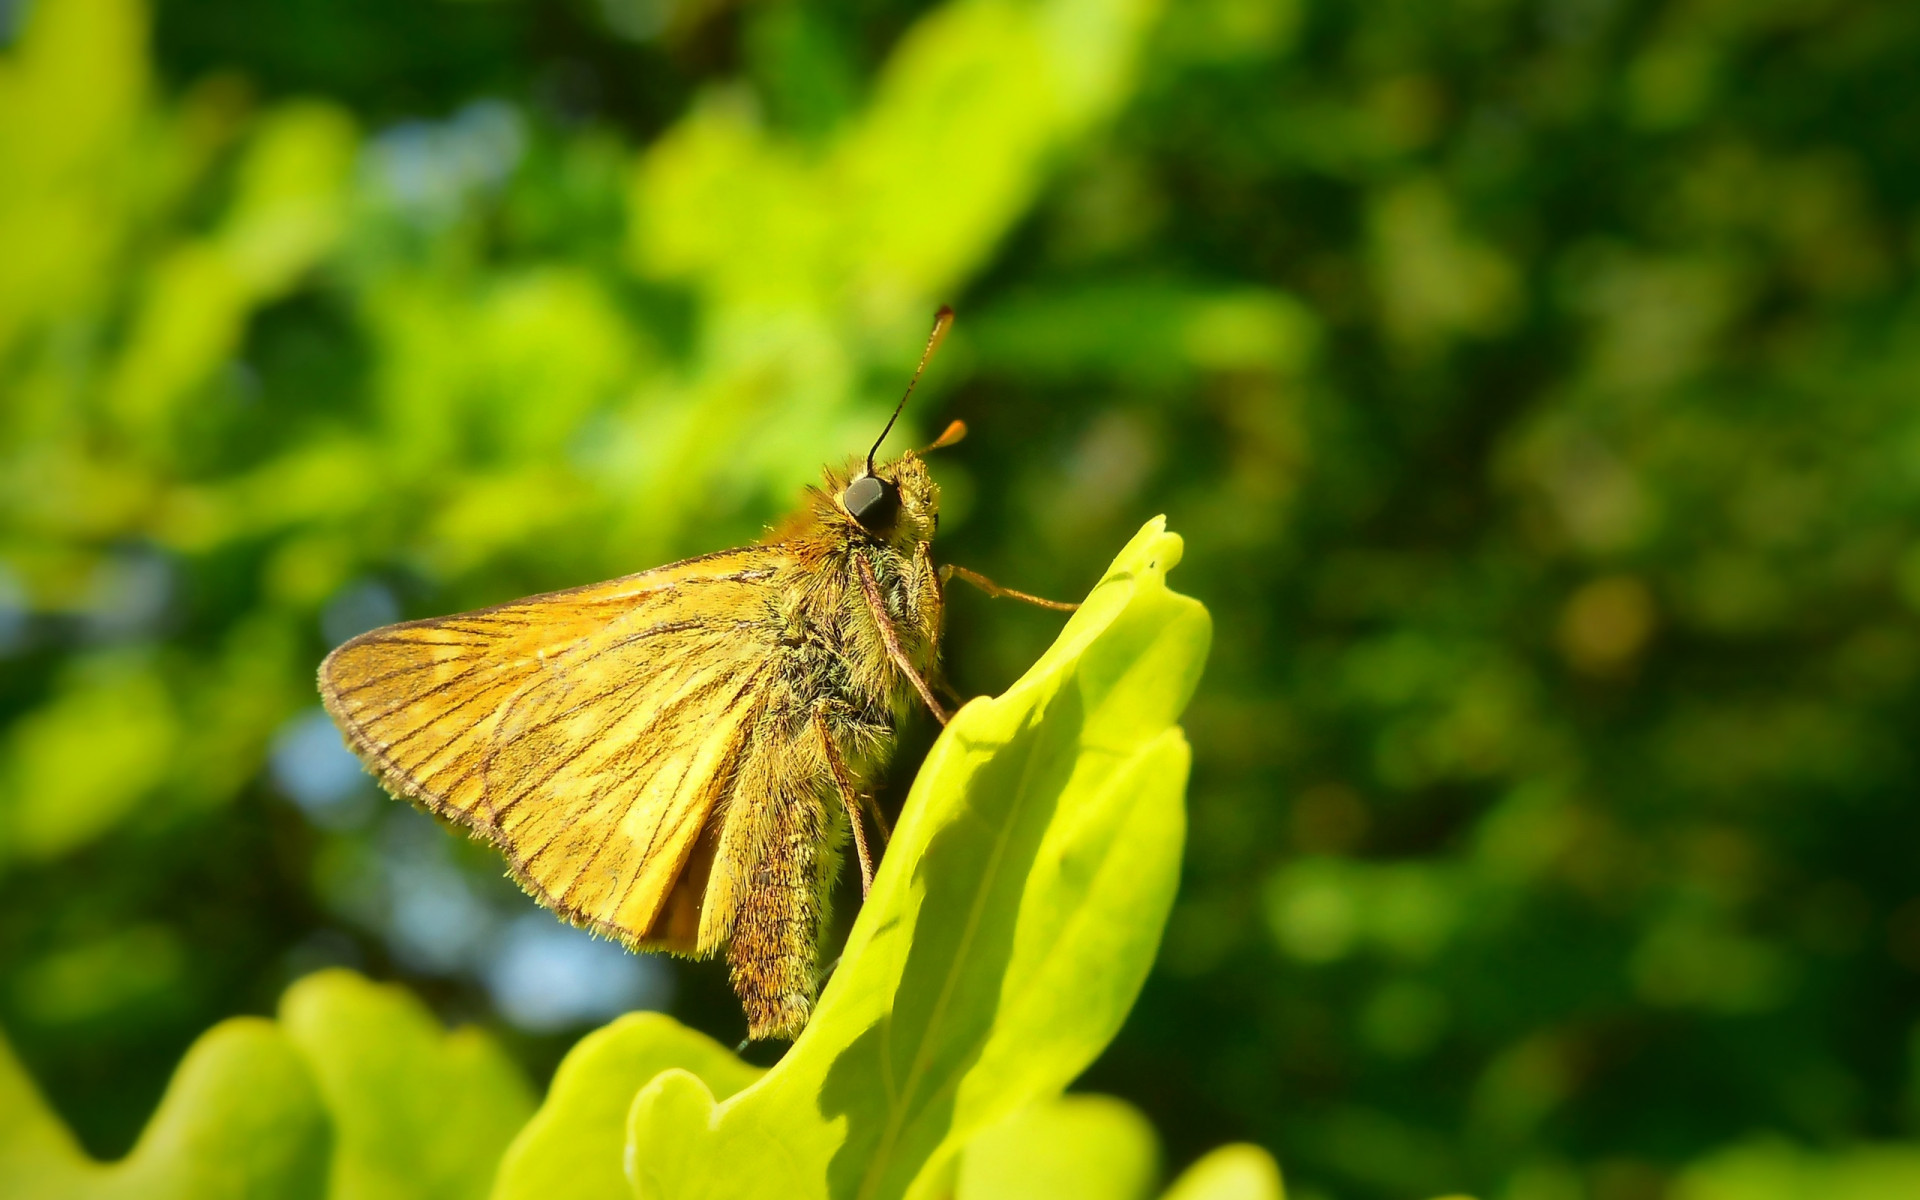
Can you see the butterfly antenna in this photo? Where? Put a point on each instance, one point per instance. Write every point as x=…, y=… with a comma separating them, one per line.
x=942, y=321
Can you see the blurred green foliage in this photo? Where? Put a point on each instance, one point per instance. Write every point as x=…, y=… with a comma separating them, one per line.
x=354, y=1091
x=1532, y=380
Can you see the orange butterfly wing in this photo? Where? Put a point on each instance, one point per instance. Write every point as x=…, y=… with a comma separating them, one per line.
x=587, y=733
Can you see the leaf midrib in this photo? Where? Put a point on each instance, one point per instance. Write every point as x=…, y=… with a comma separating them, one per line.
x=876, y=1166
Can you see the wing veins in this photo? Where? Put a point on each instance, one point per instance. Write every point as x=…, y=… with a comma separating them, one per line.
x=694, y=694
x=528, y=789
x=432, y=721
x=732, y=758
x=562, y=715
x=506, y=664
x=682, y=625
x=381, y=637
x=435, y=690
x=412, y=668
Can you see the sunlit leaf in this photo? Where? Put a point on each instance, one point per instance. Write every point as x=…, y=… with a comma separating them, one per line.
x=417, y=1111
x=1072, y=1148
x=241, y=1119
x=575, y=1146
x=1237, y=1172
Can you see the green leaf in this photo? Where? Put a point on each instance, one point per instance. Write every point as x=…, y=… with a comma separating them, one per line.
x=417, y=1111
x=241, y=1118
x=1011, y=925
x=1071, y=1148
x=356, y=1094
x=575, y=1144
x=1236, y=1172
x=1772, y=1168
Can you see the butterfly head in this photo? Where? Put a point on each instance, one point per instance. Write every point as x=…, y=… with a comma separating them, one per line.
x=894, y=502
x=898, y=502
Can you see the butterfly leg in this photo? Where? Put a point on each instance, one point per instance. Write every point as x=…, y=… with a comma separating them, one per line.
x=850, y=797
x=995, y=590
x=933, y=581
x=891, y=638
x=879, y=819
x=928, y=577
x=942, y=685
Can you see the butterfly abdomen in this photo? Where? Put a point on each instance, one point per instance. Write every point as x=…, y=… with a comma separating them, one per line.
x=785, y=845
x=787, y=820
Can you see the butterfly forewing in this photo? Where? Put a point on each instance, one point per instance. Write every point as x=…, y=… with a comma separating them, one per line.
x=589, y=733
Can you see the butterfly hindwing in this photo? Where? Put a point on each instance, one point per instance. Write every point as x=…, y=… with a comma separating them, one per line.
x=590, y=734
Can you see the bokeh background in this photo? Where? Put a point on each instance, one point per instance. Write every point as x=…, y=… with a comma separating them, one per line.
x=1536, y=383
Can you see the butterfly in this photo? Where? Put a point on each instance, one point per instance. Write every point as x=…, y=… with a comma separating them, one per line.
x=675, y=759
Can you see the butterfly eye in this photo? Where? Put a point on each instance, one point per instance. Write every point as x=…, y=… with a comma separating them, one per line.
x=873, y=502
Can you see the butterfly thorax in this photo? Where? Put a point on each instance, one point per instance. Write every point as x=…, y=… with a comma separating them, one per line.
x=837, y=654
